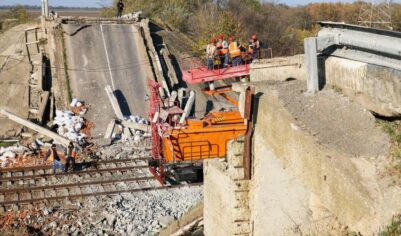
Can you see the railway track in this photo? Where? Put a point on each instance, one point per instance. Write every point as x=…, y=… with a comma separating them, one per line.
x=7, y=172
x=29, y=186
x=21, y=175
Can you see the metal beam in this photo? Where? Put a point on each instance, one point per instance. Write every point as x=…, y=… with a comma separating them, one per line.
x=382, y=42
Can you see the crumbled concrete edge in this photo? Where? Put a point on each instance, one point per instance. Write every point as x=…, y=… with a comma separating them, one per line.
x=195, y=213
x=350, y=189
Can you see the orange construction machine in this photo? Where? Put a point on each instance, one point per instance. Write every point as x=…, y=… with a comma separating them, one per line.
x=179, y=144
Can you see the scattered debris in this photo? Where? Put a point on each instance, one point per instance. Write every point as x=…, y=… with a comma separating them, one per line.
x=78, y=107
x=69, y=126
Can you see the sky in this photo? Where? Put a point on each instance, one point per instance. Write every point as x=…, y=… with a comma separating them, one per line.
x=100, y=3
x=67, y=3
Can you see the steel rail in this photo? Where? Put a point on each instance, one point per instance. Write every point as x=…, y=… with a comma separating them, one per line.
x=23, y=177
x=46, y=167
x=79, y=184
x=31, y=201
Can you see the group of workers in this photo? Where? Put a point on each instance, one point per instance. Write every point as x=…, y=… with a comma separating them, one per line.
x=70, y=152
x=223, y=51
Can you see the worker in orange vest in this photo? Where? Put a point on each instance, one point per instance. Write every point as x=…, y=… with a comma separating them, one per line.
x=235, y=52
x=71, y=153
x=53, y=156
x=211, y=51
x=222, y=48
x=254, y=47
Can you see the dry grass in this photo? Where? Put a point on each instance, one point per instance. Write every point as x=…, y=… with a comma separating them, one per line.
x=394, y=228
x=393, y=129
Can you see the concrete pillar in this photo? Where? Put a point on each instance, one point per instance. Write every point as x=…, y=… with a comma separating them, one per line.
x=43, y=7
x=211, y=86
x=310, y=45
x=188, y=107
x=46, y=8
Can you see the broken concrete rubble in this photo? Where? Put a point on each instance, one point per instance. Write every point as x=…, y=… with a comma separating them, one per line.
x=125, y=214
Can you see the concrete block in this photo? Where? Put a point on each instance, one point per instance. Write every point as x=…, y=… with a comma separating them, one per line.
x=241, y=185
x=377, y=88
x=241, y=228
x=236, y=173
x=241, y=199
x=280, y=68
x=236, y=160
x=241, y=213
x=235, y=155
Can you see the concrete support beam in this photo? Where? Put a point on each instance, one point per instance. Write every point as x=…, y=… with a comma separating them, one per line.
x=182, y=93
x=169, y=102
x=171, y=71
x=127, y=133
x=114, y=102
x=144, y=128
x=155, y=59
x=110, y=129
x=310, y=45
x=188, y=107
x=57, y=138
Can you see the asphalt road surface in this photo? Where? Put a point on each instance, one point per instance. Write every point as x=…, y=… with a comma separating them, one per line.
x=106, y=54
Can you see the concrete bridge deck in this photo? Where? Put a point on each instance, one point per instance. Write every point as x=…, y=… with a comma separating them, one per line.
x=107, y=54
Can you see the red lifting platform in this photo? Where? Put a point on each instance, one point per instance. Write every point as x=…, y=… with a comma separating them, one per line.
x=203, y=74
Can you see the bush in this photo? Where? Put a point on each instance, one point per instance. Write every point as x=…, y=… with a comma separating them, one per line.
x=19, y=12
x=281, y=27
